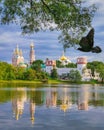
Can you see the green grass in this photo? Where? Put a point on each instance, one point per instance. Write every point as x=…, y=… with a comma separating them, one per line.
x=50, y=81
x=20, y=81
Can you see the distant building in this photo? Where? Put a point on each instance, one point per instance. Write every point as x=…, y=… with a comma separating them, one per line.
x=86, y=74
x=81, y=63
x=97, y=76
x=32, y=53
x=81, y=67
x=17, y=58
x=50, y=64
x=64, y=60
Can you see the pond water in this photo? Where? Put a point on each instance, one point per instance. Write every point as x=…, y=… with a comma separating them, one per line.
x=51, y=107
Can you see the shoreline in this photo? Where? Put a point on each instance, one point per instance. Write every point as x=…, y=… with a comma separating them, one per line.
x=50, y=81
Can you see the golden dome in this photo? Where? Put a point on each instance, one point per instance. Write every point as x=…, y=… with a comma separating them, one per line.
x=63, y=58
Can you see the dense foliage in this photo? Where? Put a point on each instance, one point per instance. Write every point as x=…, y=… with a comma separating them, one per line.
x=70, y=17
x=6, y=71
x=97, y=66
x=54, y=74
x=9, y=72
x=74, y=75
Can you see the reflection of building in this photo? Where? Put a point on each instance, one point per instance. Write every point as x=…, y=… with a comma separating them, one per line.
x=18, y=101
x=83, y=98
x=17, y=58
x=51, y=98
x=32, y=111
x=66, y=102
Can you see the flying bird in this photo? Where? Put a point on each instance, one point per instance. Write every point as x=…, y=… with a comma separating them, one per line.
x=87, y=43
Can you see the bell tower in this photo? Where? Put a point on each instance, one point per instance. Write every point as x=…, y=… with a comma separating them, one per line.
x=81, y=63
x=32, y=53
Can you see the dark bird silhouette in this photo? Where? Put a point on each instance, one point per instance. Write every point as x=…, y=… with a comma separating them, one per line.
x=87, y=43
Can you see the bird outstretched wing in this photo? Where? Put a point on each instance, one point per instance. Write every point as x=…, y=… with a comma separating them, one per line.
x=90, y=37
x=86, y=43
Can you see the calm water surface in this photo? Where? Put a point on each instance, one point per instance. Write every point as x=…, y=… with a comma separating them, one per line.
x=51, y=107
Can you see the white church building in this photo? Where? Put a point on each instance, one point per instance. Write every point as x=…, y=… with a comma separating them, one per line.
x=81, y=67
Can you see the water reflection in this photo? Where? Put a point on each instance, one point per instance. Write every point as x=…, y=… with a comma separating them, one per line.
x=61, y=98
x=51, y=98
x=32, y=109
x=83, y=98
x=18, y=99
x=65, y=100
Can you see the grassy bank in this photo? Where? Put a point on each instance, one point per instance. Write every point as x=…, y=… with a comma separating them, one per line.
x=50, y=81
x=20, y=81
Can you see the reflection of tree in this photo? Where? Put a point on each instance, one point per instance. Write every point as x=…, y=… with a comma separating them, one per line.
x=83, y=98
x=18, y=100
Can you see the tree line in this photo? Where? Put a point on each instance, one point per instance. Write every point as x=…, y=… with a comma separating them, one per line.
x=33, y=72
x=10, y=72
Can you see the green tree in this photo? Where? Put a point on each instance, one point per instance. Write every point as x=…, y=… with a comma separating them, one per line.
x=6, y=71
x=74, y=75
x=19, y=72
x=36, y=65
x=30, y=74
x=71, y=17
x=94, y=66
x=59, y=64
x=54, y=73
x=2, y=70
x=100, y=69
x=71, y=65
x=42, y=75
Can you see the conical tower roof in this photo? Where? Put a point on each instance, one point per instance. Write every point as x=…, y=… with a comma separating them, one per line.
x=17, y=50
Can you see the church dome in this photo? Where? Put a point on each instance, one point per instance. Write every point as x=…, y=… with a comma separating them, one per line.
x=63, y=58
x=23, y=65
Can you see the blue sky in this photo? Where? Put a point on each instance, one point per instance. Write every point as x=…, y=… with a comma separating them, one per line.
x=46, y=43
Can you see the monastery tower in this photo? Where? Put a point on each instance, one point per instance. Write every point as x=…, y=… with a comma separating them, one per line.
x=17, y=57
x=81, y=63
x=32, y=53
